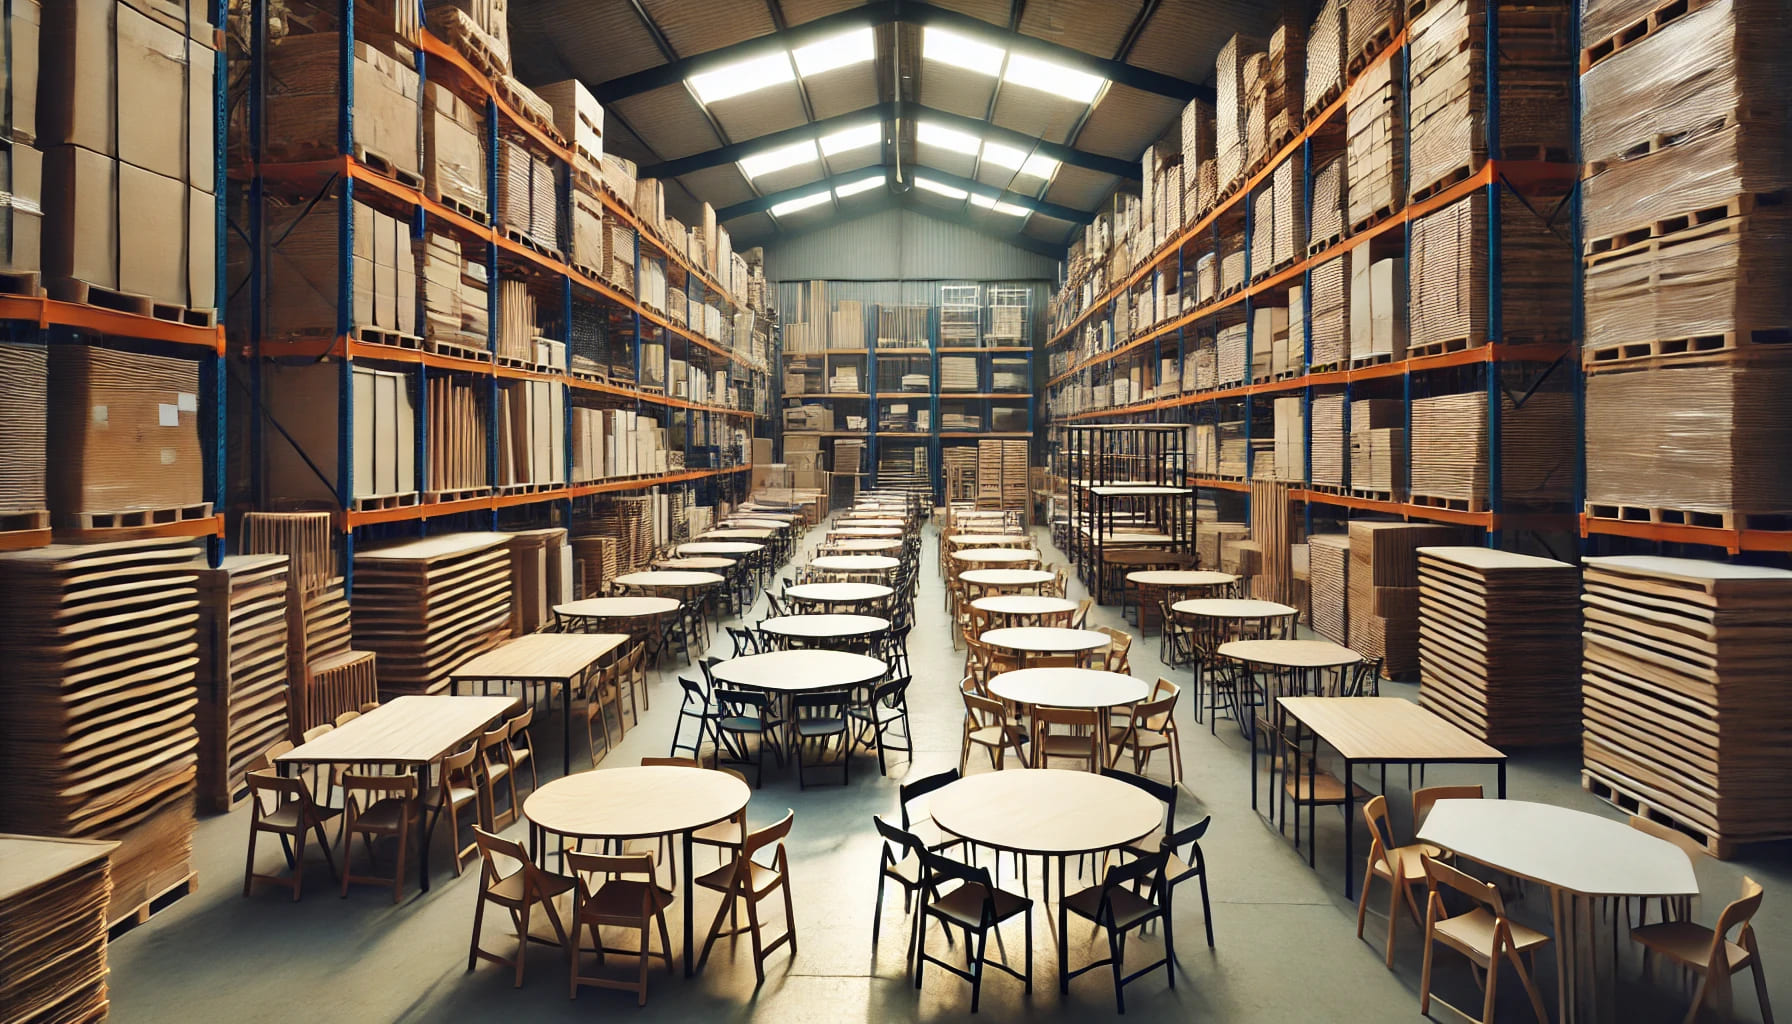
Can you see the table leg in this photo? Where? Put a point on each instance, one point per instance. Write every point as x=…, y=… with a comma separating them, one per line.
x=1502, y=766
x=1349, y=831
x=566, y=726
x=689, y=939
x=1563, y=917
x=1063, y=924
x=1254, y=775
x=425, y=827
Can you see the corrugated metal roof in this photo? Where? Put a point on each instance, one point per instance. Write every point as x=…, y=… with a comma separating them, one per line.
x=852, y=160
x=1126, y=121
x=1184, y=36
x=1050, y=229
x=1093, y=26
x=669, y=120
x=993, y=11
x=719, y=186
x=843, y=90
x=694, y=28
x=792, y=177
x=1080, y=188
x=798, y=11
x=760, y=112
x=955, y=90
x=892, y=244
x=1036, y=113
x=961, y=164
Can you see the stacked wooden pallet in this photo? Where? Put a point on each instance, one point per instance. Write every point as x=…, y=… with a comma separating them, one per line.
x=53, y=898
x=1272, y=531
x=1326, y=43
x=1329, y=207
x=1330, y=444
x=100, y=652
x=426, y=606
x=1328, y=581
x=243, y=670
x=1384, y=590
x=1498, y=644
x=123, y=433
x=1686, y=718
x=1375, y=142
x=626, y=519
x=1230, y=362
x=594, y=564
x=1450, y=255
x=1451, y=449
x=1371, y=26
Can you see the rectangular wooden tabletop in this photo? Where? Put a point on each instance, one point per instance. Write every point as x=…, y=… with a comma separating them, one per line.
x=1386, y=729
x=555, y=656
x=407, y=730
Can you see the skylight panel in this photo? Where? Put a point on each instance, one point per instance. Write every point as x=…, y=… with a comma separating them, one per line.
x=790, y=206
x=934, y=134
x=1019, y=160
x=960, y=51
x=742, y=77
x=778, y=159
x=941, y=188
x=848, y=139
x=837, y=51
x=1052, y=77
x=862, y=185
x=990, y=203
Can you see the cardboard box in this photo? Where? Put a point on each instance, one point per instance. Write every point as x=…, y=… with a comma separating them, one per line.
x=117, y=226
x=18, y=88
x=453, y=148
x=578, y=116
x=302, y=111
x=21, y=207
x=1387, y=307
x=123, y=431
x=24, y=413
x=383, y=449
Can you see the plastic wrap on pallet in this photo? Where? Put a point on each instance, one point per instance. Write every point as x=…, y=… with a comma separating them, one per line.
x=453, y=148
x=1706, y=173
x=1450, y=251
x=1365, y=20
x=1325, y=53
x=1375, y=146
x=1328, y=201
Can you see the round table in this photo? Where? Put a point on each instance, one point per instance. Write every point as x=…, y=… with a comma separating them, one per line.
x=720, y=547
x=862, y=545
x=1069, y=687
x=995, y=540
x=1047, y=812
x=837, y=593
x=1231, y=608
x=731, y=533
x=992, y=556
x=1181, y=578
x=824, y=627
x=753, y=524
x=883, y=532
x=704, y=563
x=854, y=563
x=1291, y=653
x=1581, y=858
x=1045, y=640
x=637, y=803
x=671, y=578
x=1005, y=577
x=799, y=671
x=617, y=608
x=872, y=523
x=1013, y=605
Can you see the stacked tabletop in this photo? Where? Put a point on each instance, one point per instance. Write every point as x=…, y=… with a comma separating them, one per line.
x=1498, y=644
x=428, y=605
x=243, y=689
x=1684, y=671
x=53, y=897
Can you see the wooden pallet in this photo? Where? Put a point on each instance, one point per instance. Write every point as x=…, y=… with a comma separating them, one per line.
x=523, y=239
x=1637, y=31
x=384, y=501
x=1460, y=173
x=1330, y=96
x=1375, y=217
x=1727, y=347
x=1475, y=504
x=16, y=522
x=1768, y=521
x=460, y=206
x=1362, y=492
x=385, y=167
x=69, y=289
x=385, y=336
x=149, y=908
x=1374, y=360
x=1443, y=345
x=1371, y=49
x=1336, y=489
x=21, y=282
x=463, y=494
x=1717, y=846
x=1734, y=209
x=136, y=517
x=1317, y=246
x=449, y=347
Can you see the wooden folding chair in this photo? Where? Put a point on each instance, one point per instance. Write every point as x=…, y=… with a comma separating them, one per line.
x=745, y=878
x=1484, y=934
x=519, y=891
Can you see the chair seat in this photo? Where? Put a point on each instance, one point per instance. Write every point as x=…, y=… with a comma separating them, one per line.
x=1143, y=739
x=1687, y=943
x=1321, y=788
x=907, y=871
x=761, y=878
x=1407, y=864
x=520, y=755
x=620, y=898
x=286, y=816
x=1128, y=906
x=1067, y=746
x=1474, y=930
x=820, y=726
x=743, y=725
x=497, y=771
x=722, y=833
x=460, y=796
x=964, y=905
x=385, y=815
x=993, y=736
x=508, y=891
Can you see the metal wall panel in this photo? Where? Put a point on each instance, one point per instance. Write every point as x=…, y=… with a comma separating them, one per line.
x=892, y=245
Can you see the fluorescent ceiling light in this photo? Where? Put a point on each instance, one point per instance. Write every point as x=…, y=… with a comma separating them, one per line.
x=1019, y=160
x=800, y=203
x=949, y=47
x=1057, y=79
x=862, y=185
x=934, y=134
x=742, y=77
x=998, y=206
x=941, y=188
x=778, y=159
x=837, y=51
x=847, y=139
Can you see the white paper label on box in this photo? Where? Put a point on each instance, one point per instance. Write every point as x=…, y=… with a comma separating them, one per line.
x=186, y=401
x=100, y=414
x=167, y=415
x=168, y=456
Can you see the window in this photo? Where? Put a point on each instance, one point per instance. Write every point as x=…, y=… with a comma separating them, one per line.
x=862, y=185
x=961, y=51
x=837, y=51
x=778, y=159
x=1019, y=160
x=848, y=139
x=790, y=206
x=1050, y=76
x=941, y=188
x=935, y=134
x=742, y=77
x=990, y=203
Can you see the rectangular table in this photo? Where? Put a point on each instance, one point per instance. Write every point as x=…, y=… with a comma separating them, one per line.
x=1382, y=730
x=409, y=732
x=546, y=658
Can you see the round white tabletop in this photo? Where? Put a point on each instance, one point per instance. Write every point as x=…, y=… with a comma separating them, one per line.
x=1005, y=577
x=1045, y=639
x=796, y=671
x=1290, y=653
x=863, y=545
x=617, y=607
x=1561, y=848
x=854, y=563
x=1181, y=578
x=878, y=532
x=635, y=803
x=992, y=556
x=824, y=627
x=1023, y=604
x=994, y=540
x=870, y=523
x=1046, y=811
x=671, y=578
x=837, y=593
x=706, y=564
x=1069, y=687
x=720, y=547
x=733, y=533
x=1231, y=608
x=753, y=524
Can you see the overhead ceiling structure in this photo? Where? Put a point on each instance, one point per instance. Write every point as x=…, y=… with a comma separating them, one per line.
x=1017, y=117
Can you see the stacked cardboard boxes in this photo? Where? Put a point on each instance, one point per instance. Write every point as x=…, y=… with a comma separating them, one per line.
x=528, y=196
x=455, y=299
x=454, y=151
x=1326, y=44
x=21, y=163
x=1384, y=590
x=1378, y=448
x=531, y=433
x=303, y=249
x=123, y=433
x=1375, y=144
x=580, y=118
x=1231, y=107
x=1378, y=323
x=300, y=459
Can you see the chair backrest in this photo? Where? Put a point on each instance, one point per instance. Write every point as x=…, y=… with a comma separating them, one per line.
x=1660, y=831
x=1381, y=830
x=1125, y=875
x=347, y=717
x=1164, y=792
x=1152, y=714
x=741, y=703
x=362, y=791
x=276, y=749
x=588, y=868
x=821, y=703
x=744, y=640
x=708, y=663
x=369, y=706
x=1188, y=836
x=767, y=836
x=492, y=847
x=315, y=731
x=1485, y=894
x=891, y=692
x=984, y=710
x=1044, y=717
x=494, y=740
x=694, y=695
x=1082, y=612
x=458, y=762
x=281, y=787
x=937, y=868
x=908, y=792
x=1423, y=799
x=1740, y=913
x=670, y=762
x=520, y=724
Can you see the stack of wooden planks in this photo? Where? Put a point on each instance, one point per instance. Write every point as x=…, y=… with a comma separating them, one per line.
x=1231, y=103
x=594, y=564
x=1497, y=644
x=1272, y=530
x=53, y=898
x=1448, y=310
x=1326, y=42
x=243, y=670
x=1686, y=717
x=1452, y=450
x=24, y=381
x=1328, y=441
x=1330, y=303
x=425, y=606
x=1384, y=590
x=1328, y=578
x=100, y=653
x=456, y=426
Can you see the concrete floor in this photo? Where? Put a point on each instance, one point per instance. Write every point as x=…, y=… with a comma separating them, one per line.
x=1286, y=947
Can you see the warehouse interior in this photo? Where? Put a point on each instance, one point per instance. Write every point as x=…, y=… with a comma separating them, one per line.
x=725, y=508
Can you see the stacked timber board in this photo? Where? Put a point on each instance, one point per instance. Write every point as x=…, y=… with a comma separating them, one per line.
x=24, y=379
x=100, y=653
x=1384, y=590
x=1497, y=644
x=426, y=606
x=53, y=898
x=1329, y=443
x=1375, y=144
x=326, y=676
x=1326, y=42
x=1451, y=450
x=1449, y=309
x=1686, y=716
x=1328, y=577
x=243, y=671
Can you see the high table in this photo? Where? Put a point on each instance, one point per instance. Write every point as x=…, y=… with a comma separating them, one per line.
x=700, y=563
x=755, y=524
x=1581, y=858
x=990, y=540
x=670, y=579
x=826, y=594
x=1047, y=812
x=1047, y=640
x=547, y=658
x=637, y=803
x=814, y=628
x=1024, y=605
x=1380, y=730
x=410, y=732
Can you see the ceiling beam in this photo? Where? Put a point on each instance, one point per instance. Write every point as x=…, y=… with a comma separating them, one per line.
x=763, y=204
x=886, y=112
x=886, y=12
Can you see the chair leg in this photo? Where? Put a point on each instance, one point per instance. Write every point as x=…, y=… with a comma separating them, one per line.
x=1362, y=900
x=1530, y=986
x=249, y=864
x=478, y=922
x=1760, y=977
x=522, y=942
x=1393, y=917
x=1493, y=985
x=1425, y=976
